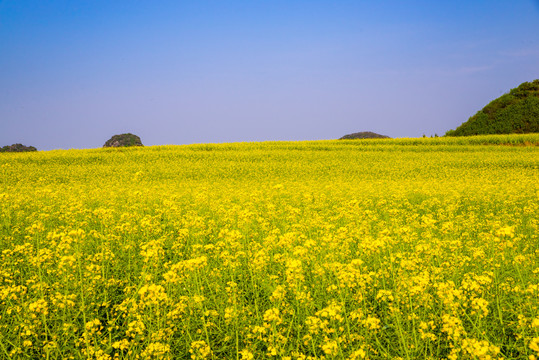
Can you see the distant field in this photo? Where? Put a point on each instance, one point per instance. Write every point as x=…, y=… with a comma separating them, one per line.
x=358, y=249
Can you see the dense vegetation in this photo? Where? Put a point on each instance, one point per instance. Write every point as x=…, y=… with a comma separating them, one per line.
x=17, y=148
x=123, y=140
x=364, y=135
x=367, y=249
x=514, y=112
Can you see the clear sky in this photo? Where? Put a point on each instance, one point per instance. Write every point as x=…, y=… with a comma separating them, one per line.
x=74, y=73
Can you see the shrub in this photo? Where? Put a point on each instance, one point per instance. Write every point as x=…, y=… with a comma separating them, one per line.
x=17, y=148
x=123, y=140
x=364, y=135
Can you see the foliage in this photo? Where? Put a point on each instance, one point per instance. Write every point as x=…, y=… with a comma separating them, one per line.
x=123, y=140
x=17, y=148
x=367, y=249
x=364, y=135
x=514, y=112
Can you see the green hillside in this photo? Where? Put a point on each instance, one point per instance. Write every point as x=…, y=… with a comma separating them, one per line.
x=514, y=112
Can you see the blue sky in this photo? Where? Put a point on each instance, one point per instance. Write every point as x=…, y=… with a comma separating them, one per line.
x=74, y=73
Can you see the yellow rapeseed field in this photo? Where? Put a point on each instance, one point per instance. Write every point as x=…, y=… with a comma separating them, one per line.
x=370, y=249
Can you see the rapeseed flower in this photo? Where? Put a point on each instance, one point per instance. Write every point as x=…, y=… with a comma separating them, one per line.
x=332, y=249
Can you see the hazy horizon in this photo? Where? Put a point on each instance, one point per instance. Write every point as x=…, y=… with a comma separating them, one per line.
x=75, y=73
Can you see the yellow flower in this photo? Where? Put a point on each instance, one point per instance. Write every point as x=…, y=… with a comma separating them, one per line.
x=278, y=294
x=200, y=350
x=372, y=323
x=534, y=344
x=246, y=355
x=122, y=344
x=481, y=350
x=272, y=315
x=93, y=326
x=357, y=354
x=330, y=347
x=135, y=328
x=39, y=307
x=508, y=231
x=156, y=350
x=480, y=306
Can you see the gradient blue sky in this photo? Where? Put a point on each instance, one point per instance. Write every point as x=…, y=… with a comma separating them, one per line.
x=74, y=73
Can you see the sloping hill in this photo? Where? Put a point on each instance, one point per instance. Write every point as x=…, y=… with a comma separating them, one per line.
x=514, y=112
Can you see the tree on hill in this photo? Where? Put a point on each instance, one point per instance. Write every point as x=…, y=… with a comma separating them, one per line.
x=123, y=140
x=364, y=135
x=515, y=112
x=17, y=148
